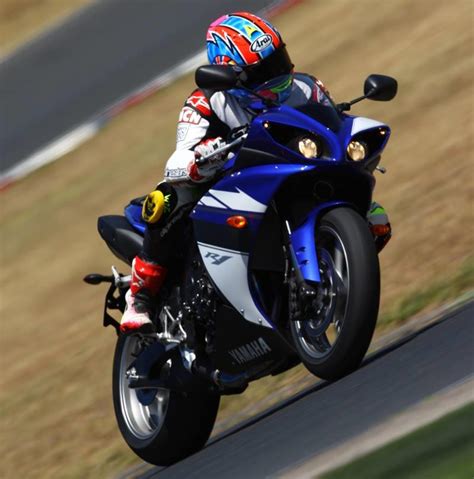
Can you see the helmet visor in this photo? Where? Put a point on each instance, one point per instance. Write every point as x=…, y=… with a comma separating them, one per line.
x=277, y=89
x=275, y=65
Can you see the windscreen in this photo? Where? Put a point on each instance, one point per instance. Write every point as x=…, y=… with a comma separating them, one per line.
x=324, y=112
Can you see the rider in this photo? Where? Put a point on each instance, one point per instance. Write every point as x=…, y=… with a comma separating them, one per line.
x=206, y=118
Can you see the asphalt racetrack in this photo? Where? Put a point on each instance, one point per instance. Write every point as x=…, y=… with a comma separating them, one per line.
x=110, y=48
x=322, y=417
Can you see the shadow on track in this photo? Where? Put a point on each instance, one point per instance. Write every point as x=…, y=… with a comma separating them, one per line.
x=377, y=355
x=317, y=388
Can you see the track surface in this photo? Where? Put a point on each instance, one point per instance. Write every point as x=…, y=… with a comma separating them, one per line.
x=328, y=414
x=101, y=54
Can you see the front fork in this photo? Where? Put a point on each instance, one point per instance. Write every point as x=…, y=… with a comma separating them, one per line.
x=303, y=275
x=301, y=246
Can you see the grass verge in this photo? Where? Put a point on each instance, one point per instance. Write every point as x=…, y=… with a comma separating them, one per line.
x=443, y=449
x=434, y=293
x=21, y=20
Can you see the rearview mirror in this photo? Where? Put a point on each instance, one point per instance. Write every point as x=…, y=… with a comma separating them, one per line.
x=216, y=77
x=380, y=87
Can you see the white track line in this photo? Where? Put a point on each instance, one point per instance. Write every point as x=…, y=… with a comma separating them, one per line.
x=75, y=137
x=85, y=131
x=50, y=152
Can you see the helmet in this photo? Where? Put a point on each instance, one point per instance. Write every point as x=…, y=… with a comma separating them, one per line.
x=254, y=44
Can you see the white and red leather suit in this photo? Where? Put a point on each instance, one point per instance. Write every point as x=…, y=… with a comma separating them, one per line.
x=202, y=119
x=205, y=119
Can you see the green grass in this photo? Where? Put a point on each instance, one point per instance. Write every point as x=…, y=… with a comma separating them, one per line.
x=436, y=292
x=441, y=450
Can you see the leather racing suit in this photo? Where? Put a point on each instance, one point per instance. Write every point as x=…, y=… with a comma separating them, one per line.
x=203, y=118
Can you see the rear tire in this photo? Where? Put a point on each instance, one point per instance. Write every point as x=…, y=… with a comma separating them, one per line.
x=172, y=427
x=352, y=302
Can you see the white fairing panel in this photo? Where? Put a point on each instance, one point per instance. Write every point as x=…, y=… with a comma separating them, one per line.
x=232, y=200
x=360, y=124
x=208, y=200
x=228, y=270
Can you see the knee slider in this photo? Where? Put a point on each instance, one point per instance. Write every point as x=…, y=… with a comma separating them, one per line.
x=153, y=207
x=159, y=203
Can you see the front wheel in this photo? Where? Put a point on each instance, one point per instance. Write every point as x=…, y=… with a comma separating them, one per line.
x=334, y=333
x=160, y=426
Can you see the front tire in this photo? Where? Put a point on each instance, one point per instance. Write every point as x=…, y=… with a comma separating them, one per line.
x=172, y=426
x=334, y=336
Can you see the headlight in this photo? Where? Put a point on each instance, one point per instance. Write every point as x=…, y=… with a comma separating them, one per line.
x=356, y=150
x=308, y=148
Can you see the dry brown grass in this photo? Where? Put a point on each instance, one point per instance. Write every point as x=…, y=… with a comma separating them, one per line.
x=57, y=418
x=21, y=20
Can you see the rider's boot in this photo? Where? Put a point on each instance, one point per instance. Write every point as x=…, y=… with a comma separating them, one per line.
x=146, y=282
x=379, y=225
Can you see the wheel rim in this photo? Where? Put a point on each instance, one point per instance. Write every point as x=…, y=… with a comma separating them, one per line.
x=143, y=421
x=319, y=333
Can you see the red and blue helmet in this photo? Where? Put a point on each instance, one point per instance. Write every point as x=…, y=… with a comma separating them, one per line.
x=246, y=40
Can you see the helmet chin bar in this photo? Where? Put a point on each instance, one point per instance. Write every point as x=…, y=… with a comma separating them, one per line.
x=277, y=64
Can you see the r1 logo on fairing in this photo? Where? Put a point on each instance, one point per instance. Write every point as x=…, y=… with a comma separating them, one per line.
x=250, y=351
x=217, y=258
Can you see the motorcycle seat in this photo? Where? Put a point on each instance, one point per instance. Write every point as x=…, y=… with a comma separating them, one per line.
x=120, y=237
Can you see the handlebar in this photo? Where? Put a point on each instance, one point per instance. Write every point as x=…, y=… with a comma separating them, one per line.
x=204, y=159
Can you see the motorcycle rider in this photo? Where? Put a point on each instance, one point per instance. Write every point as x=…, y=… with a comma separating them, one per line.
x=241, y=39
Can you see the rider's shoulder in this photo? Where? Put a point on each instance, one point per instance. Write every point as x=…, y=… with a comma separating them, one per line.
x=304, y=76
x=199, y=100
x=307, y=78
x=311, y=81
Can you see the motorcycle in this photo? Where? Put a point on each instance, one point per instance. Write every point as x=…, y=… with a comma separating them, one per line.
x=282, y=270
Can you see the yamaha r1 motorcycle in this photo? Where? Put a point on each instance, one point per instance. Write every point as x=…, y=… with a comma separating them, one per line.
x=282, y=270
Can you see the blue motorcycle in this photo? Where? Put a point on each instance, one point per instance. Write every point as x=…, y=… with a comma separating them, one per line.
x=283, y=269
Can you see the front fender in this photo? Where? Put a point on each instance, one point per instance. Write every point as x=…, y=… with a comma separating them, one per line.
x=303, y=241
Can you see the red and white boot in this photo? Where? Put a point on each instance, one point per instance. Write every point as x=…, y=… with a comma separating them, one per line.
x=147, y=279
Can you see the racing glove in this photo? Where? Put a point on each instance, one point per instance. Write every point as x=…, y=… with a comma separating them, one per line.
x=203, y=172
x=208, y=146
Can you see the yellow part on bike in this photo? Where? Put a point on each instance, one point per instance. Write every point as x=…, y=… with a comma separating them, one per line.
x=153, y=207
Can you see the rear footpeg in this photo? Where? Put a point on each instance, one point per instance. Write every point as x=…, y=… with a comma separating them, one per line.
x=119, y=280
x=96, y=278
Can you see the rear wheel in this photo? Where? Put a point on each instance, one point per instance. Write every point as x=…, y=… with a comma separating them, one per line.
x=334, y=333
x=159, y=425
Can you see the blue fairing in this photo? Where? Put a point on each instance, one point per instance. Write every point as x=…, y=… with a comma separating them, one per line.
x=250, y=183
x=336, y=135
x=259, y=183
x=260, y=139
x=133, y=213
